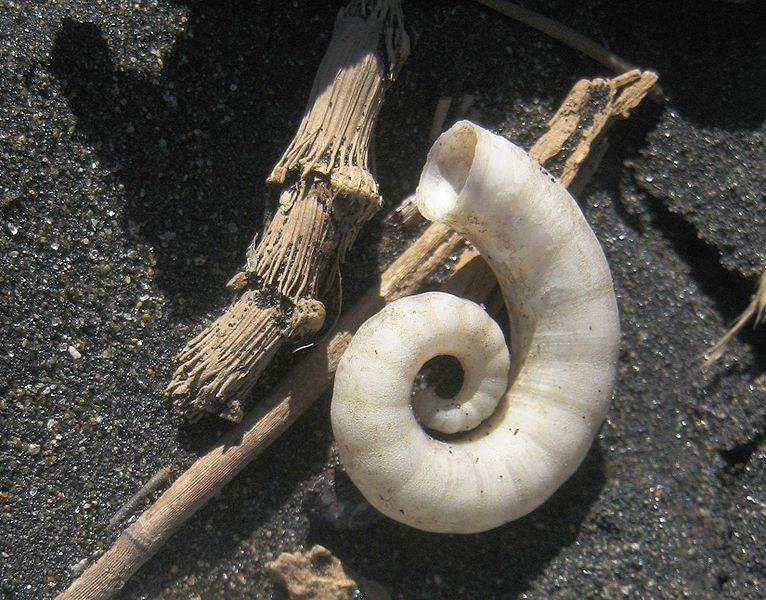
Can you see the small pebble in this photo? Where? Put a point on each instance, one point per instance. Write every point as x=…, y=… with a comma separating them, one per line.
x=33, y=449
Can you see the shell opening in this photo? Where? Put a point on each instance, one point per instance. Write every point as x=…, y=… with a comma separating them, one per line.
x=444, y=374
x=446, y=171
x=437, y=388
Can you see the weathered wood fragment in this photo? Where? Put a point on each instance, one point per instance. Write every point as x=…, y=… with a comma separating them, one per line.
x=328, y=194
x=315, y=574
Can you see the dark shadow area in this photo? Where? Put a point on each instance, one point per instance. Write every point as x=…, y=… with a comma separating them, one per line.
x=737, y=456
x=184, y=179
x=201, y=436
x=642, y=209
x=333, y=502
x=709, y=54
x=193, y=148
x=497, y=564
x=626, y=139
x=730, y=291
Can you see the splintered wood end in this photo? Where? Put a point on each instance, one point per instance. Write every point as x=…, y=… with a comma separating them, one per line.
x=590, y=108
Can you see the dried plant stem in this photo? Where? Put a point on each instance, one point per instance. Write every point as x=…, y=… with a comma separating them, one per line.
x=156, y=482
x=220, y=366
x=299, y=388
x=757, y=308
x=328, y=195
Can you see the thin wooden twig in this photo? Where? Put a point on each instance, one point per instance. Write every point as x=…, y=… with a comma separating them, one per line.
x=156, y=482
x=588, y=110
x=300, y=387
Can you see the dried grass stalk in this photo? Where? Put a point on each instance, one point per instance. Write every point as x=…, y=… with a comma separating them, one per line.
x=757, y=308
x=570, y=37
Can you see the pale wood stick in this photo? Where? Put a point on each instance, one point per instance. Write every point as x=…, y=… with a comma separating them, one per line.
x=300, y=387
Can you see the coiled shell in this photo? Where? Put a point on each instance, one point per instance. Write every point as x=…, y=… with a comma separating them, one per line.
x=564, y=344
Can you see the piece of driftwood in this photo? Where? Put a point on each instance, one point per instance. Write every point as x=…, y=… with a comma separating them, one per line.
x=297, y=390
x=328, y=194
x=587, y=111
x=315, y=574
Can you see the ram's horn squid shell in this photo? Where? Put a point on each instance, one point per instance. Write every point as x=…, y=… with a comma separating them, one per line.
x=564, y=344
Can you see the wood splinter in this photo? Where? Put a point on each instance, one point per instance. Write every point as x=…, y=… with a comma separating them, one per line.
x=329, y=193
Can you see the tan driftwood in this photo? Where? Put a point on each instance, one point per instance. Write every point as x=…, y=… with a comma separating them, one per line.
x=328, y=194
x=315, y=574
x=298, y=389
x=589, y=108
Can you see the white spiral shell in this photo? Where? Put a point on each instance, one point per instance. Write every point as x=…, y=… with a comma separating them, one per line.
x=564, y=343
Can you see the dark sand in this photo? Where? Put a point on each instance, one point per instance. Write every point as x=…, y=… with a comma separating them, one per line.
x=134, y=143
